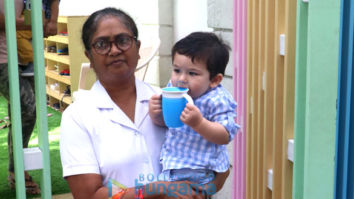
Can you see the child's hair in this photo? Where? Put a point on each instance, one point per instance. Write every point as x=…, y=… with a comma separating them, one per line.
x=205, y=47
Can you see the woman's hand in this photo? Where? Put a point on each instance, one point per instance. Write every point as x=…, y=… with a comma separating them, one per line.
x=220, y=179
x=155, y=110
x=217, y=183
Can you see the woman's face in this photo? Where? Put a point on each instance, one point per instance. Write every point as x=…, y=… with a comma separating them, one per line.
x=116, y=64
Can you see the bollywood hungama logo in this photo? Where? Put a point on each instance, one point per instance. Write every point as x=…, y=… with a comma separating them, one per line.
x=171, y=189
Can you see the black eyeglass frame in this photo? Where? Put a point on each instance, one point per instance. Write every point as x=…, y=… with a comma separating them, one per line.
x=115, y=41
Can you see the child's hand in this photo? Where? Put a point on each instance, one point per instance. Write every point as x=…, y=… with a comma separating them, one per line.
x=211, y=131
x=50, y=28
x=191, y=115
x=155, y=110
x=155, y=107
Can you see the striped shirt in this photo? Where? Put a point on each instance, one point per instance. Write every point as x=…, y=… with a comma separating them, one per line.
x=185, y=148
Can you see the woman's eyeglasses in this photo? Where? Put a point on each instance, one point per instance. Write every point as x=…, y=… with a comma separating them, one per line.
x=122, y=41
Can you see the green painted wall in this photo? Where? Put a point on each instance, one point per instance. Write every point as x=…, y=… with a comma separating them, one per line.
x=315, y=98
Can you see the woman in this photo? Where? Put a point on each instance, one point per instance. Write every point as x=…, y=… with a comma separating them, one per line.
x=108, y=134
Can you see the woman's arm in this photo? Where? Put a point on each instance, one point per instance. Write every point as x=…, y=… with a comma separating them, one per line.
x=87, y=186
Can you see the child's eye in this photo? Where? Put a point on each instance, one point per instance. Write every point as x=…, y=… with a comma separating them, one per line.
x=193, y=73
x=176, y=70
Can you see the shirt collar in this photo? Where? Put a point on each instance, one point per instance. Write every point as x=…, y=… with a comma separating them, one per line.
x=100, y=96
x=143, y=91
x=102, y=100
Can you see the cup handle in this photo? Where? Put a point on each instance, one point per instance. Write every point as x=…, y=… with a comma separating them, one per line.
x=188, y=98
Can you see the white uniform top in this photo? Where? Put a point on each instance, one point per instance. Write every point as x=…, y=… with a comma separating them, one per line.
x=97, y=137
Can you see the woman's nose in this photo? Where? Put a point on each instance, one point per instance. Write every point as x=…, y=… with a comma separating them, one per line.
x=114, y=49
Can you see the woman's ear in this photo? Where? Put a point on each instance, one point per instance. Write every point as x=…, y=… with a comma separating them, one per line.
x=88, y=54
x=215, y=81
x=138, y=43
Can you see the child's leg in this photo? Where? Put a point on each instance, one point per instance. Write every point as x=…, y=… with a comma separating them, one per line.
x=198, y=176
x=24, y=46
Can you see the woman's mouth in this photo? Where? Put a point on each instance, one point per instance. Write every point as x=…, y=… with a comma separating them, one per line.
x=116, y=62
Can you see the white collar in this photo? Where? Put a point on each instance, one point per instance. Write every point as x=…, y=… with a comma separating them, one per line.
x=100, y=97
x=102, y=100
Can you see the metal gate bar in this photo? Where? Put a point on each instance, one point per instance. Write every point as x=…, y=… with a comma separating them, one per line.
x=42, y=123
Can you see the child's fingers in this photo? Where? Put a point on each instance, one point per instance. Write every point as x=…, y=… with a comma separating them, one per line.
x=190, y=107
x=156, y=97
x=185, y=114
x=156, y=107
x=155, y=103
x=183, y=117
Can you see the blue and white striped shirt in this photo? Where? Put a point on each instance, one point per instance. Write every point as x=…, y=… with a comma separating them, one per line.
x=185, y=148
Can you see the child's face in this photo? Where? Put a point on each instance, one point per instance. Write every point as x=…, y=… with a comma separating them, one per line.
x=187, y=74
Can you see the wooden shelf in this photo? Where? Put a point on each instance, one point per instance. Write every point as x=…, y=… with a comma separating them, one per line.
x=54, y=75
x=62, y=19
x=59, y=96
x=59, y=39
x=59, y=58
x=71, y=26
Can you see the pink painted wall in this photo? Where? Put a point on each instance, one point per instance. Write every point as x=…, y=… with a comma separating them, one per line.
x=240, y=60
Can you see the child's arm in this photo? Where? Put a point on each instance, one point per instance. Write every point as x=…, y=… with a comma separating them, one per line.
x=51, y=24
x=20, y=22
x=211, y=131
x=155, y=110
